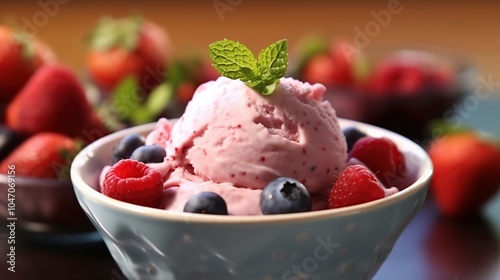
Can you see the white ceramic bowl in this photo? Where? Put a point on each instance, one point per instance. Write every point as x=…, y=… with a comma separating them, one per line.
x=346, y=243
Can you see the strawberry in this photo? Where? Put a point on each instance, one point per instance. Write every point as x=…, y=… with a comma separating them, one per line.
x=20, y=57
x=319, y=69
x=466, y=173
x=355, y=185
x=52, y=100
x=43, y=155
x=397, y=77
x=185, y=92
x=330, y=68
x=134, y=182
x=383, y=158
x=342, y=59
x=120, y=48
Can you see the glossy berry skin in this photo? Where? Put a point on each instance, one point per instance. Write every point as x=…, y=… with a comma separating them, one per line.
x=126, y=146
x=383, y=158
x=466, y=173
x=133, y=182
x=285, y=195
x=352, y=135
x=20, y=57
x=206, y=203
x=52, y=100
x=355, y=185
x=43, y=155
x=149, y=154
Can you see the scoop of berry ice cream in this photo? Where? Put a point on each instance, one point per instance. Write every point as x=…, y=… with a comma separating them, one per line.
x=231, y=134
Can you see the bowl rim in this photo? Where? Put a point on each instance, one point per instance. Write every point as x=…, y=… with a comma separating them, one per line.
x=164, y=215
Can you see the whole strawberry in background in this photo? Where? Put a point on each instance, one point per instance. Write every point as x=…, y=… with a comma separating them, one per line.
x=43, y=155
x=331, y=66
x=466, y=173
x=20, y=57
x=53, y=100
x=120, y=48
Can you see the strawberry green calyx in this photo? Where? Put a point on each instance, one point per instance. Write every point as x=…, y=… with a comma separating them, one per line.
x=235, y=61
x=27, y=46
x=113, y=33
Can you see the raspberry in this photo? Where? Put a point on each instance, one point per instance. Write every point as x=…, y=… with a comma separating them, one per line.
x=134, y=182
x=355, y=185
x=382, y=157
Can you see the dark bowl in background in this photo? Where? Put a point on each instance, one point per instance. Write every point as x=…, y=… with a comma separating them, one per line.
x=406, y=114
x=44, y=206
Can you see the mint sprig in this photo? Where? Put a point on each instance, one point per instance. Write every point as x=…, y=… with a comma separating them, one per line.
x=235, y=61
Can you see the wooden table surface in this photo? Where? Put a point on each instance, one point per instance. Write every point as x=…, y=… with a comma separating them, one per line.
x=468, y=27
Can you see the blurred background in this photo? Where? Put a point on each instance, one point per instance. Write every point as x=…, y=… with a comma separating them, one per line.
x=433, y=247
x=467, y=27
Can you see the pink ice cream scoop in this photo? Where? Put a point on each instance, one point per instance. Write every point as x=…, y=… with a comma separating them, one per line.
x=233, y=140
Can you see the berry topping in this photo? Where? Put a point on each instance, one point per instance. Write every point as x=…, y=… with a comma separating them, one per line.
x=382, y=157
x=134, y=182
x=149, y=154
x=355, y=185
x=285, y=195
x=352, y=135
x=206, y=203
x=126, y=146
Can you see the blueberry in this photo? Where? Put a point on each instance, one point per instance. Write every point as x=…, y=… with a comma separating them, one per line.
x=149, y=154
x=126, y=146
x=285, y=195
x=352, y=135
x=206, y=203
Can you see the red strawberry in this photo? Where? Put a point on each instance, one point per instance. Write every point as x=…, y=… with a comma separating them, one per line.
x=383, y=158
x=43, y=155
x=20, y=57
x=331, y=68
x=355, y=185
x=134, y=182
x=342, y=58
x=397, y=77
x=52, y=100
x=185, y=92
x=442, y=78
x=466, y=173
x=128, y=47
x=319, y=69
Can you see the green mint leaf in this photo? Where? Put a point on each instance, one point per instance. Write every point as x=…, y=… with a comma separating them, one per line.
x=273, y=61
x=154, y=105
x=266, y=87
x=126, y=98
x=234, y=60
